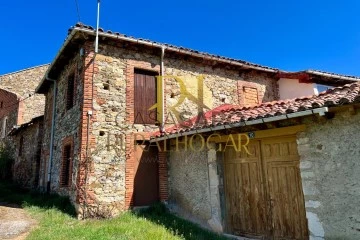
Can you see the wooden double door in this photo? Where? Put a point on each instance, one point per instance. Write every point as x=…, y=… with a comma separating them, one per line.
x=263, y=190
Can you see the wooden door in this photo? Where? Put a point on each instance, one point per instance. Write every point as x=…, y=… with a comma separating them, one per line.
x=287, y=207
x=263, y=190
x=146, y=182
x=144, y=97
x=245, y=191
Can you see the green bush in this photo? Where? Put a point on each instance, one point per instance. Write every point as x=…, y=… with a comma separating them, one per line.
x=6, y=162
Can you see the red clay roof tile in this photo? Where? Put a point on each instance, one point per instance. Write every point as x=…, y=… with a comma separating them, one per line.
x=225, y=114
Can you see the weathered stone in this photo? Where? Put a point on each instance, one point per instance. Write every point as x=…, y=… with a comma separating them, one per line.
x=312, y=204
x=215, y=225
x=19, y=107
x=307, y=175
x=329, y=170
x=315, y=226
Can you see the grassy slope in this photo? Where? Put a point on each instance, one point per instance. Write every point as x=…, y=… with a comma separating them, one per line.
x=56, y=220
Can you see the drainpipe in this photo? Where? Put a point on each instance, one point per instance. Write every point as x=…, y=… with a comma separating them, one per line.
x=51, y=134
x=162, y=90
x=97, y=27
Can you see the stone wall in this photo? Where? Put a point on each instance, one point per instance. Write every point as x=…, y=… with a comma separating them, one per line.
x=24, y=83
x=194, y=184
x=33, y=107
x=27, y=161
x=9, y=111
x=112, y=125
x=67, y=126
x=45, y=145
x=330, y=169
x=329, y=165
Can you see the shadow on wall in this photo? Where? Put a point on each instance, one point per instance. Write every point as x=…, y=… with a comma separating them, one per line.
x=160, y=215
x=146, y=180
x=6, y=161
x=13, y=193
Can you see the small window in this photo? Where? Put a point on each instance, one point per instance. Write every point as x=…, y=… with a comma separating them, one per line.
x=70, y=92
x=66, y=170
x=321, y=88
x=250, y=96
x=21, y=144
x=1, y=104
x=3, y=130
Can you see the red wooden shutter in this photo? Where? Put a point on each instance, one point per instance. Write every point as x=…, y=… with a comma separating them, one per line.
x=65, y=169
x=251, y=96
x=70, y=92
x=21, y=146
x=144, y=97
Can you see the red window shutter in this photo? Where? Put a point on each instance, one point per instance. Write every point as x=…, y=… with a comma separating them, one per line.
x=250, y=96
x=65, y=168
x=70, y=92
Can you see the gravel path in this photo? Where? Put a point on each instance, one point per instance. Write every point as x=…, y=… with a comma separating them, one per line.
x=15, y=223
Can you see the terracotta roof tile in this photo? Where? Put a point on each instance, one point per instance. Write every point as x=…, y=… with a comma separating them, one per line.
x=226, y=114
x=87, y=27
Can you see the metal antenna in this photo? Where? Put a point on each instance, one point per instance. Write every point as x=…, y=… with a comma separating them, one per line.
x=97, y=27
x=77, y=10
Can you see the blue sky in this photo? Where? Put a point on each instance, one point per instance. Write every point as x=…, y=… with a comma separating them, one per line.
x=287, y=34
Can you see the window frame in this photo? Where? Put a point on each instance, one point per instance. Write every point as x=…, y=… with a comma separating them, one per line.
x=241, y=93
x=246, y=101
x=21, y=146
x=3, y=127
x=138, y=119
x=70, y=90
x=67, y=157
x=317, y=91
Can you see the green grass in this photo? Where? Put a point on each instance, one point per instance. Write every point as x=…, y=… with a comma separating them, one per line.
x=56, y=220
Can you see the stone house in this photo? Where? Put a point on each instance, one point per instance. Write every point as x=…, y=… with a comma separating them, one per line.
x=27, y=149
x=99, y=104
x=20, y=107
x=102, y=109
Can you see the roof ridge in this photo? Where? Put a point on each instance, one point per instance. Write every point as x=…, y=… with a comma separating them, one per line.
x=83, y=27
x=25, y=69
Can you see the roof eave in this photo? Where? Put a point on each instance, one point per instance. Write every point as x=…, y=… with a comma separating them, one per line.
x=42, y=87
x=321, y=111
x=178, y=50
x=330, y=75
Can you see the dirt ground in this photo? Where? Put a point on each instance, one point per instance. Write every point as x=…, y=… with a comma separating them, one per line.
x=15, y=223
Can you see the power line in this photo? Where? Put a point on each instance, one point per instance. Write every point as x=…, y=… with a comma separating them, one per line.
x=77, y=10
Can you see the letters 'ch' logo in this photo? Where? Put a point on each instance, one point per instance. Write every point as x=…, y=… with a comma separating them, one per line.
x=184, y=94
x=199, y=101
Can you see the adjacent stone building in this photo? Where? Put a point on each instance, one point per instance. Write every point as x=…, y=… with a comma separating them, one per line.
x=102, y=108
x=27, y=150
x=21, y=108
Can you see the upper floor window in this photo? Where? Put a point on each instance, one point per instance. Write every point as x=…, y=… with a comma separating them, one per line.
x=250, y=95
x=66, y=171
x=3, y=129
x=144, y=96
x=70, y=91
x=321, y=88
x=21, y=146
